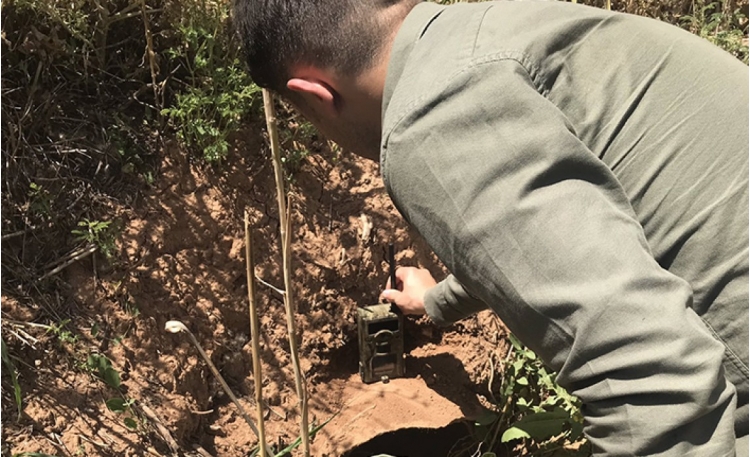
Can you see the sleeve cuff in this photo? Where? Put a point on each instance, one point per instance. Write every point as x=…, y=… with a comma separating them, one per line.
x=449, y=302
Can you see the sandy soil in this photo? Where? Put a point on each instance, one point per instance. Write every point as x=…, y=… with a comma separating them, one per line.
x=182, y=257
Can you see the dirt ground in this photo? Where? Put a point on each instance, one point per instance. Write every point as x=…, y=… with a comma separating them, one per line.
x=181, y=256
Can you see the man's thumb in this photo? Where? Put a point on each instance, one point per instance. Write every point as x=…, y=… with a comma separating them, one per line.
x=391, y=295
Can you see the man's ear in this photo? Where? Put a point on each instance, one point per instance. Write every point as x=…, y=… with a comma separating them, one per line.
x=317, y=93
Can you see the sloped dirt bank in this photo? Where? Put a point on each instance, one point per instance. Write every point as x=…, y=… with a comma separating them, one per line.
x=182, y=257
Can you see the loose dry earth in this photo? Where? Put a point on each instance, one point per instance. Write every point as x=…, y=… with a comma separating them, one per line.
x=181, y=257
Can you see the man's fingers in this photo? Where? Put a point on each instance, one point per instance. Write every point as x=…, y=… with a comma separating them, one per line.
x=404, y=301
x=403, y=272
x=391, y=295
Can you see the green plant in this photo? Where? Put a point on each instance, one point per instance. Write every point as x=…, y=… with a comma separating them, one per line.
x=133, y=157
x=63, y=335
x=532, y=409
x=40, y=201
x=726, y=29
x=10, y=367
x=100, y=233
x=88, y=21
x=218, y=94
x=101, y=367
x=122, y=405
x=295, y=140
x=296, y=443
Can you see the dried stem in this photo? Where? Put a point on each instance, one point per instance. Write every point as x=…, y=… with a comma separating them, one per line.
x=18, y=233
x=255, y=337
x=270, y=286
x=273, y=136
x=83, y=254
x=285, y=229
x=161, y=429
x=151, y=56
x=177, y=327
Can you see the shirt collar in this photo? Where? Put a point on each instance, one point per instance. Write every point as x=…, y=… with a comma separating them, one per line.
x=412, y=29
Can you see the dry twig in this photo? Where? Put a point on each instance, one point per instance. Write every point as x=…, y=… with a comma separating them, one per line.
x=255, y=337
x=81, y=255
x=151, y=58
x=286, y=251
x=270, y=286
x=161, y=429
x=177, y=327
x=18, y=233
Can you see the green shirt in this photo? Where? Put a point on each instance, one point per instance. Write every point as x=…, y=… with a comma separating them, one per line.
x=585, y=174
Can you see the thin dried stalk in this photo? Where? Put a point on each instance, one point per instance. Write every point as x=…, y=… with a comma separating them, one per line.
x=179, y=327
x=85, y=253
x=273, y=136
x=255, y=338
x=151, y=56
x=285, y=229
x=161, y=429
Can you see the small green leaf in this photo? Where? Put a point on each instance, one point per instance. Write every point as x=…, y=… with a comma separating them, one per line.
x=111, y=377
x=92, y=363
x=116, y=405
x=513, y=433
x=8, y=363
x=515, y=342
x=542, y=425
x=314, y=430
x=576, y=430
x=103, y=368
x=486, y=418
x=130, y=423
x=523, y=381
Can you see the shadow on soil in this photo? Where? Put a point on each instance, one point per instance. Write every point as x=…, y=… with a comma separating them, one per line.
x=454, y=440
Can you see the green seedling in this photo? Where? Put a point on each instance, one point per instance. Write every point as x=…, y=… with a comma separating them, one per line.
x=101, y=366
x=11, y=368
x=711, y=21
x=219, y=95
x=61, y=333
x=40, y=203
x=532, y=410
x=296, y=443
x=99, y=233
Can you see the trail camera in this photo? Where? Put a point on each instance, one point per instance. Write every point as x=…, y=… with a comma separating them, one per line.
x=381, y=343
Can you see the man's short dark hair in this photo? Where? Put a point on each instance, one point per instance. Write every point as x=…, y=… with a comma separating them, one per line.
x=343, y=35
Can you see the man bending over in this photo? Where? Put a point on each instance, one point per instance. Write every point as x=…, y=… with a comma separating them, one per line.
x=583, y=173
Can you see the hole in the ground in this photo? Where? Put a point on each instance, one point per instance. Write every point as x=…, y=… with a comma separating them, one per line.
x=420, y=442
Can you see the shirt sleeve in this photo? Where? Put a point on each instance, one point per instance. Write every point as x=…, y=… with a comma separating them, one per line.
x=532, y=223
x=449, y=302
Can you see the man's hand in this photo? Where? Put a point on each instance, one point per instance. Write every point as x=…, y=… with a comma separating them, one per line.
x=411, y=286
